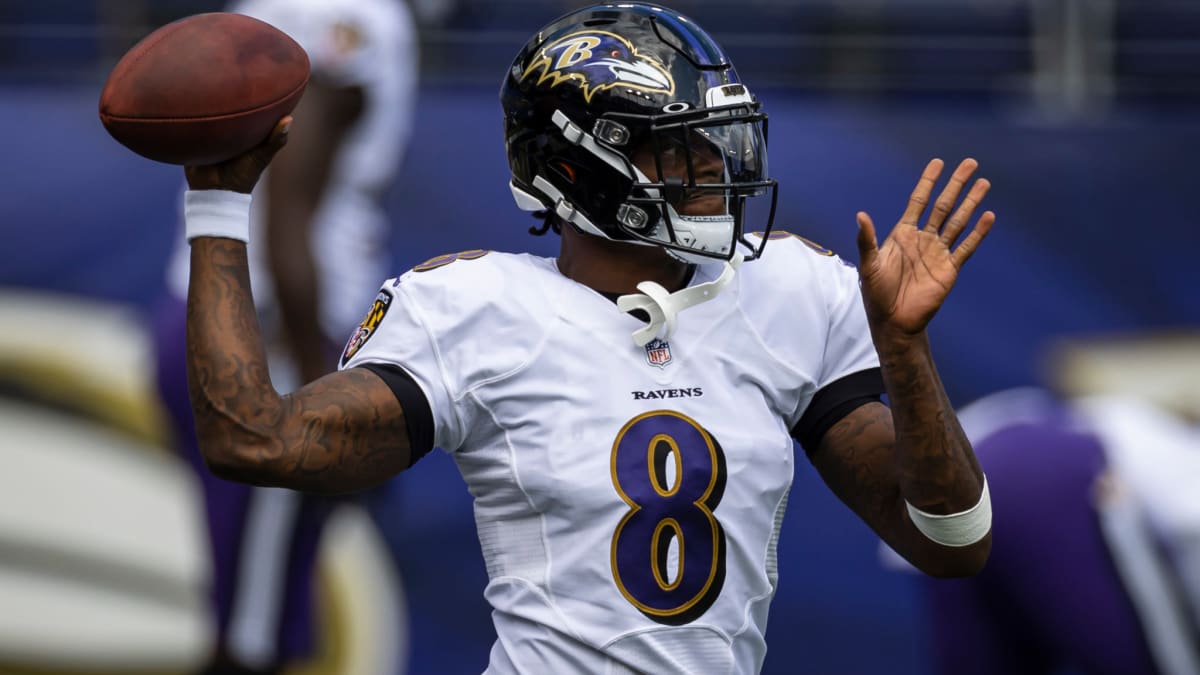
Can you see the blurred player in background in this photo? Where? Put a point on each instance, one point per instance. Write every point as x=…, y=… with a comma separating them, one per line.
x=623, y=414
x=1095, y=567
x=322, y=246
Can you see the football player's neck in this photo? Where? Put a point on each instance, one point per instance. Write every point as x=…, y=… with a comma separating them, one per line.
x=616, y=267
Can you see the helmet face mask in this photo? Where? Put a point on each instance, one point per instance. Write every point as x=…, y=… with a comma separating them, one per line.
x=628, y=122
x=706, y=163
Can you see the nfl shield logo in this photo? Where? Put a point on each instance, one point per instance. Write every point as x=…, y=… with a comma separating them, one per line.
x=658, y=353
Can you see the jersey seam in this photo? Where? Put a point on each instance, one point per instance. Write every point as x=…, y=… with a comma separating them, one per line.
x=829, y=320
x=458, y=397
x=534, y=353
x=658, y=629
x=510, y=449
x=441, y=365
x=747, y=621
x=545, y=597
x=516, y=477
x=763, y=344
x=797, y=414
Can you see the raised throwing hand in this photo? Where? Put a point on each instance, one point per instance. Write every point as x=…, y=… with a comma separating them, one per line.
x=240, y=173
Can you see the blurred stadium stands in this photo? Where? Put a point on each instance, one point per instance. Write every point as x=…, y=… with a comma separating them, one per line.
x=1148, y=50
x=1081, y=112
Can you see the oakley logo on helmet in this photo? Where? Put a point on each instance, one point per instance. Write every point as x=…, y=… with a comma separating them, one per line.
x=596, y=61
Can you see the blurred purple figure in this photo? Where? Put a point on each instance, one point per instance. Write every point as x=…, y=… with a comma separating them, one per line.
x=1096, y=542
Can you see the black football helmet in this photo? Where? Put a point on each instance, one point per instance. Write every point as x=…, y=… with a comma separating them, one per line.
x=612, y=83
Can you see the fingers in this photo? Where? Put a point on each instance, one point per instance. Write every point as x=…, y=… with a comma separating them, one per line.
x=920, y=195
x=242, y=172
x=280, y=132
x=964, y=213
x=868, y=245
x=949, y=196
x=276, y=140
x=261, y=156
x=971, y=242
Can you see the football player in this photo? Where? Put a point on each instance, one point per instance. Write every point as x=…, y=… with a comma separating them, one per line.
x=321, y=233
x=1096, y=566
x=623, y=414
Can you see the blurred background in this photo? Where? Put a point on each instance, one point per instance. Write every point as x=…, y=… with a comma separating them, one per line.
x=1082, y=113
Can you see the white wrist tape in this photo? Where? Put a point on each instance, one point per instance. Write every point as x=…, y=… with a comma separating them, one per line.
x=956, y=529
x=216, y=213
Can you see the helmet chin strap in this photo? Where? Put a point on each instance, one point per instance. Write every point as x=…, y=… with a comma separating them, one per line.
x=664, y=307
x=698, y=233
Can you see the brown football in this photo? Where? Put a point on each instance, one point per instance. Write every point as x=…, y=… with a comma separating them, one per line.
x=203, y=89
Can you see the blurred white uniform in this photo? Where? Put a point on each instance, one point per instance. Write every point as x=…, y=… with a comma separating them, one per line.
x=263, y=540
x=1095, y=566
x=1153, y=529
x=365, y=43
x=628, y=500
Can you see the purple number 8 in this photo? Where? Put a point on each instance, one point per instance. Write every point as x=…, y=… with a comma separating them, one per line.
x=659, y=512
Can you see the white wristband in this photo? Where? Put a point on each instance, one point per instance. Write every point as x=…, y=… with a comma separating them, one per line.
x=216, y=213
x=956, y=529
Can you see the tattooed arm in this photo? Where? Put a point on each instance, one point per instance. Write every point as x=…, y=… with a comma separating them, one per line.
x=343, y=432
x=876, y=459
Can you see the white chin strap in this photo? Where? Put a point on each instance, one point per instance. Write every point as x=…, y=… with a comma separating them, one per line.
x=664, y=307
x=699, y=233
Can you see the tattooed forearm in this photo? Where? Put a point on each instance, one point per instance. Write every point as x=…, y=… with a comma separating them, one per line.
x=855, y=460
x=935, y=465
x=344, y=432
x=860, y=461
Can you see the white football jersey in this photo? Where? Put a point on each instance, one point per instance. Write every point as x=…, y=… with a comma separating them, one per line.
x=366, y=43
x=628, y=500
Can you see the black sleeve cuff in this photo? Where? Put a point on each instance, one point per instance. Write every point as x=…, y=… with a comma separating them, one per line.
x=833, y=402
x=417, y=415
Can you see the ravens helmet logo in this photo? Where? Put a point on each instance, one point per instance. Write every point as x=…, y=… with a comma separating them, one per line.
x=599, y=60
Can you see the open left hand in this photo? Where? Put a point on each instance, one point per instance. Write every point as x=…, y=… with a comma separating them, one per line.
x=905, y=281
